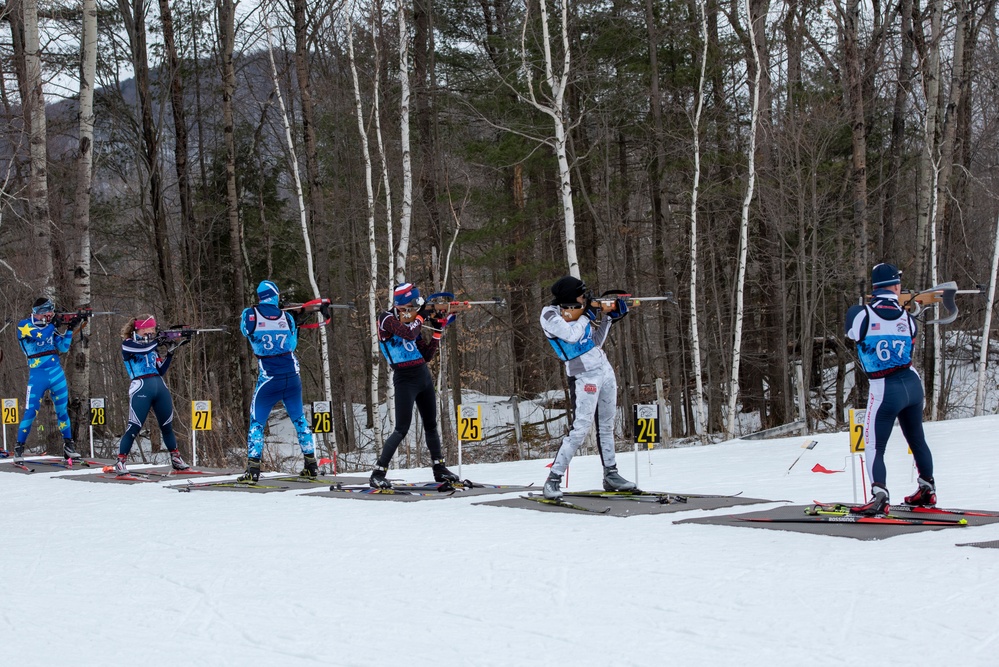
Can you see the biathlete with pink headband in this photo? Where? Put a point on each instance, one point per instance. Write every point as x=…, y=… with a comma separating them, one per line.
x=147, y=391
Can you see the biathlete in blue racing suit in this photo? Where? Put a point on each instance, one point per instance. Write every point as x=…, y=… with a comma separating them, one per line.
x=147, y=390
x=273, y=334
x=42, y=344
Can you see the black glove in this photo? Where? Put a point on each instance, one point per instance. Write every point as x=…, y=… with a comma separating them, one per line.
x=620, y=310
x=325, y=310
x=75, y=322
x=592, y=313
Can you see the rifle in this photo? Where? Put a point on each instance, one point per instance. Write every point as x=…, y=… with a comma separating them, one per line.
x=944, y=293
x=444, y=303
x=179, y=334
x=610, y=297
x=72, y=318
x=320, y=305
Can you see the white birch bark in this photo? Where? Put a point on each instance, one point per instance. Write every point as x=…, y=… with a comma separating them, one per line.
x=406, y=213
x=937, y=356
x=34, y=99
x=733, y=390
x=84, y=175
x=695, y=337
x=983, y=353
x=931, y=90
x=372, y=247
x=302, y=216
x=556, y=110
x=386, y=184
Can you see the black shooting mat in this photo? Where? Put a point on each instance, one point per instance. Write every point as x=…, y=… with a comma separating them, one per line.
x=139, y=475
x=267, y=484
x=625, y=506
x=994, y=544
x=859, y=531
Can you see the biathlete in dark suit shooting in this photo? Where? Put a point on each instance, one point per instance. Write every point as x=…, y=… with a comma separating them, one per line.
x=400, y=337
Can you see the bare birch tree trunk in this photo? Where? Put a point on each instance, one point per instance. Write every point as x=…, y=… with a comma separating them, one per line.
x=733, y=390
x=33, y=98
x=302, y=215
x=695, y=335
x=80, y=368
x=406, y=214
x=372, y=246
x=983, y=354
x=227, y=38
x=927, y=157
x=557, y=111
x=386, y=183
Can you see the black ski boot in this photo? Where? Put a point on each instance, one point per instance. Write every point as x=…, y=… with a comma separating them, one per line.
x=614, y=482
x=69, y=449
x=311, y=469
x=18, y=453
x=377, y=479
x=553, y=487
x=442, y=474
x=925, y=495
x=252, y=474
x=878, y=503
x=178, y=463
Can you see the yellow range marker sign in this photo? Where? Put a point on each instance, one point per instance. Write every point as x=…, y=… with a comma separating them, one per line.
x=10, y=412
x=470, y=427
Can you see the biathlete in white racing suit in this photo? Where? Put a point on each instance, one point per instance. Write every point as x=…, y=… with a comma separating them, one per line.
x=570, y=324
x=885, y=333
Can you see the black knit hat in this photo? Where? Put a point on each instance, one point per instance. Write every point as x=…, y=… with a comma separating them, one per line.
x=567, y=289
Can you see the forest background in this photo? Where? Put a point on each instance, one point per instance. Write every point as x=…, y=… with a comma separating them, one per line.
x=752, y=159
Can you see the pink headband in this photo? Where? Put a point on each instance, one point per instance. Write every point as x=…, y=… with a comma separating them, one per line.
x=145, y=324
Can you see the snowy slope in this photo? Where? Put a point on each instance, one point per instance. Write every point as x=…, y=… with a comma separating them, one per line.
x=101, y=574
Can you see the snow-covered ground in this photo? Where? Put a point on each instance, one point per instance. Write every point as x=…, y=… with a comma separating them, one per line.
x=102, y=574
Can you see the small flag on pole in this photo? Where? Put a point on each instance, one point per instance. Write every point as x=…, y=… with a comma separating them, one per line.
x=818, y=467
x=809, y=444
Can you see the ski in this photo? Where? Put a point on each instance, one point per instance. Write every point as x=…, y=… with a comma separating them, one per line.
x=642, y=496
x=297, y=478
x=127, y=477
x=369, y=490
x=562, y=503
x=855, y=518
x=227, y=485
x=458, y=486
x=915, y=509
x=67, y=464
x=845, y=511
x=22, y=466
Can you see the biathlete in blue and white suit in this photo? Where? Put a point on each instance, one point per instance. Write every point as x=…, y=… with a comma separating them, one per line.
x=42, y=344
x=273, y=334
x=885, y=333
x=147, y=390
x=578, y=341
x=400, y=337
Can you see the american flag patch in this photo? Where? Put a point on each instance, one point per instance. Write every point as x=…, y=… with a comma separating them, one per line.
x=875, y=326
